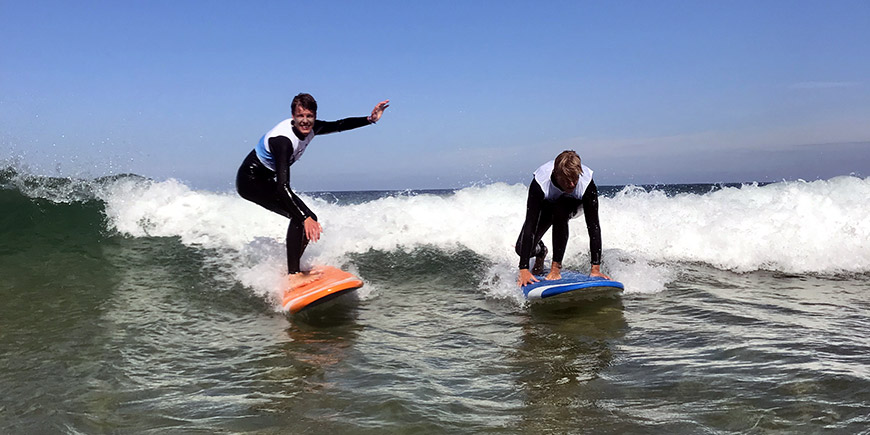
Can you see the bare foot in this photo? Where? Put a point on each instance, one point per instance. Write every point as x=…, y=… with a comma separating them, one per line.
x=318, y=270
x=554, y=275
x=299, y=279
x=555, y=271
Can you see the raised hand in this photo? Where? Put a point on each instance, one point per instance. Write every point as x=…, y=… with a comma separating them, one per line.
x=378, y=111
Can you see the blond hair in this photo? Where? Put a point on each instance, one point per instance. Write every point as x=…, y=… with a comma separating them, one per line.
x=567, y=168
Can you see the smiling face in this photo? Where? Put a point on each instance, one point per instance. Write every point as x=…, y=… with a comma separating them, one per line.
x=303, y=120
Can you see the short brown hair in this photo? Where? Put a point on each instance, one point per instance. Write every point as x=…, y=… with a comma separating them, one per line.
x=306, y=101
x=567, y=167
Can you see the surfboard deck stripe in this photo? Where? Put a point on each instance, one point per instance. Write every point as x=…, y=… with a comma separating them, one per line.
x=332, y=283
x=577, y=283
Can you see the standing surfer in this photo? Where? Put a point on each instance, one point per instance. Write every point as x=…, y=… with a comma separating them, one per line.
x=264, y=177
x=560, y=190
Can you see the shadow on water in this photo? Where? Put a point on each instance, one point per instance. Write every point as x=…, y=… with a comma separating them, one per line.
x=553, y=311
x=321, y=336
x=314, y=363
x=321, y=342
x=340, y=311
x=563, y=351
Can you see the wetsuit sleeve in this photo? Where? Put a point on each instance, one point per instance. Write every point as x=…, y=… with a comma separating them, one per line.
x=326, y=127
x=282, y=148
x=533, y=214
x=590, y=212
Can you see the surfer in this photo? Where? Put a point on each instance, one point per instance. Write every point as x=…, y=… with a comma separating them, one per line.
x=264, y=177
x=560, y=190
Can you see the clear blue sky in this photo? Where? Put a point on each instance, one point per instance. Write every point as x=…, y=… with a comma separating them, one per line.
x=481, y=91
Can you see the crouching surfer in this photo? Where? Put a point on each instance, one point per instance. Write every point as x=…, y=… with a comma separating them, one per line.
x=560, y=190
x=264, y=177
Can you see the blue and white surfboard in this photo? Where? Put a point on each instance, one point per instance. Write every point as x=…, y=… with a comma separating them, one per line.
x=573, y=285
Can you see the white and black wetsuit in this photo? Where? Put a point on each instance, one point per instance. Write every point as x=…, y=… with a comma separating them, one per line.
x=264, y=177
x=547, y=206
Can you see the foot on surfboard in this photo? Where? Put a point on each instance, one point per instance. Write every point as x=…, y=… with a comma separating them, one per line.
x=573, y=286
x=299, y=279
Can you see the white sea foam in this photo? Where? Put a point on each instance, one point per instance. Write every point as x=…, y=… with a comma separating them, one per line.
x=794, y=227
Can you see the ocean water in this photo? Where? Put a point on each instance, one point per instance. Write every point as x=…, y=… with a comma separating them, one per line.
x=134, y=306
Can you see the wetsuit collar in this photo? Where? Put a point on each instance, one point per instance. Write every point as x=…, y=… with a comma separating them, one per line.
x=298, y=133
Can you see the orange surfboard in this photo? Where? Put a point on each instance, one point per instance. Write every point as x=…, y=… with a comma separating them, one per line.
x=332, y=283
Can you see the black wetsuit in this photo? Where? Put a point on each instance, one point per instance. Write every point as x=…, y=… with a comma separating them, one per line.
x=271, y=189
x=542, y=214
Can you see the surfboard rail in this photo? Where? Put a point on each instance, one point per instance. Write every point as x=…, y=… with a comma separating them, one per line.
x=572, y=284
x=332, y=283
